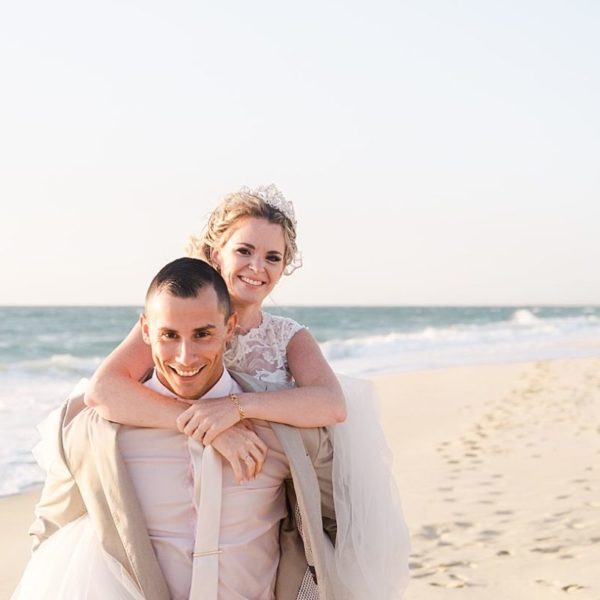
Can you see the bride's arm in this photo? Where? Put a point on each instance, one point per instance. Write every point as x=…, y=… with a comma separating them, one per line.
x=116, y=393
x=316, y=401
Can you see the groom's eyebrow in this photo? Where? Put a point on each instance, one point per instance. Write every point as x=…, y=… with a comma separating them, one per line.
x=205, y=328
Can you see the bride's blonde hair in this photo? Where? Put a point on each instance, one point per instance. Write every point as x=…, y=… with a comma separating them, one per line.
x=233, y=207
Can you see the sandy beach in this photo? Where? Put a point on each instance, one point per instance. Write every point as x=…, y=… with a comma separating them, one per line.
x=500, y=478
x=499, y=473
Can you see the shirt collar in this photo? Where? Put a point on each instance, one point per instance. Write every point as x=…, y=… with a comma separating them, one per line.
x=220, y=389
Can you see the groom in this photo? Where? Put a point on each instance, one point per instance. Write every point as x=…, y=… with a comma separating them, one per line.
x=169, y=510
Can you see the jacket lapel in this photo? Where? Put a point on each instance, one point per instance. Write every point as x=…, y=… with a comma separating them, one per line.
x=110, y=499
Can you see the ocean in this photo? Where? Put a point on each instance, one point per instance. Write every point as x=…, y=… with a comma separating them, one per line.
x=44, y=351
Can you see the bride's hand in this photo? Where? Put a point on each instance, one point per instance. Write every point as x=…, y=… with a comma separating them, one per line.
x=205, y=420
x=243, y=449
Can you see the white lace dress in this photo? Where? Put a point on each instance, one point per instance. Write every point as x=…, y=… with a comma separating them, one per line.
x=372, y=545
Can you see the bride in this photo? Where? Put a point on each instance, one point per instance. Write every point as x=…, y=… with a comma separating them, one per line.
x=250, y=238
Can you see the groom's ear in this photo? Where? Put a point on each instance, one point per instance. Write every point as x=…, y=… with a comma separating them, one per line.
x=231, y=325
x=145, y=328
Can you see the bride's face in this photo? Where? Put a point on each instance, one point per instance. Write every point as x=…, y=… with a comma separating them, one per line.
x=251, y=260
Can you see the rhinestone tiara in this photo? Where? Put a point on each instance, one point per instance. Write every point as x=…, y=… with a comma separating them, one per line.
x=273, y=197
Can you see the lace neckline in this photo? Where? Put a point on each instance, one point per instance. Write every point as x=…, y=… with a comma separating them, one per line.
x=254, y=330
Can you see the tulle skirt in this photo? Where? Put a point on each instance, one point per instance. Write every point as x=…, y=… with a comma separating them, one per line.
x=72, y=565
x=372, y=543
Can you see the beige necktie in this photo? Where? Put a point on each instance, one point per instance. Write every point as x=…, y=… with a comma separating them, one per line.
x=208, y=489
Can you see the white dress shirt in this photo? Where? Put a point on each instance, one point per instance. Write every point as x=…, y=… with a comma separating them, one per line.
x=166, y=467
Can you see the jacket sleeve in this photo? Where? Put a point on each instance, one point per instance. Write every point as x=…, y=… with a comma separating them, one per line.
x=60, y=501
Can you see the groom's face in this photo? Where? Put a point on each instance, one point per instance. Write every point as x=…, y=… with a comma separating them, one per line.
x=187, y=337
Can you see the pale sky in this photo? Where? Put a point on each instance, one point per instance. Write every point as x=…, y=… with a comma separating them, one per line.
x=436, y=152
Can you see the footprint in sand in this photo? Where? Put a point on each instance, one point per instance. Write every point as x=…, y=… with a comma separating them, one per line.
x=455, y=581
x=547, y=549
x=423, y=575
x=489, y=533
x=464, y=524
x=449, y=584
x=595, y=540
x=430, y=532
x=569, y=587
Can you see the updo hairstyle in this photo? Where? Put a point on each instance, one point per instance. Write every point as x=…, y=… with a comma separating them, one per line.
x=239, y=205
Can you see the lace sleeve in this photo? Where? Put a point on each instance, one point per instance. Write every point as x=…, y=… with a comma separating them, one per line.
x=288, y=328
x=262, y=352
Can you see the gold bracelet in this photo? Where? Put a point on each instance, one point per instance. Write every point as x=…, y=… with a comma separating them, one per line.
x=236, y=401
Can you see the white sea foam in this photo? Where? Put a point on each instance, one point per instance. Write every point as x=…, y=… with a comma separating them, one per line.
x=66, y=363
x=25, y=401
x=523, y=316
x=523, y=337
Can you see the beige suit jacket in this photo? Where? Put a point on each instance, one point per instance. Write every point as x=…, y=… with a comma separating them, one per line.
x=99, y=484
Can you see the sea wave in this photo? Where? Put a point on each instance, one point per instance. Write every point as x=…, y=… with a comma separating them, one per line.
x=65, y=363
x=524, y=316
x=524, y=336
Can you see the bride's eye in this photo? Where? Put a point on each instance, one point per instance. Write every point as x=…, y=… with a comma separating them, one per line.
x=274, y=258
x=243, y=251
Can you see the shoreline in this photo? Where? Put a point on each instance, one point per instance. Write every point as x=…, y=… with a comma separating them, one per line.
x=496, y=466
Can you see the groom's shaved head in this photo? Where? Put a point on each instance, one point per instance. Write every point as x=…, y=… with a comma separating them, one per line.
x=185, y=277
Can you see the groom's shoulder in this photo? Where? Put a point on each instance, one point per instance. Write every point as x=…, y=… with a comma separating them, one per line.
x=77, y=416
